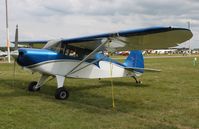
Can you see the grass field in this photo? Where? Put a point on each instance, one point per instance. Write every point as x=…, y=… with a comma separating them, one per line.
x=165, y=100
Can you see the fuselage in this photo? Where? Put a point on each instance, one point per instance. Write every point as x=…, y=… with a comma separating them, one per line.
x=54, y=63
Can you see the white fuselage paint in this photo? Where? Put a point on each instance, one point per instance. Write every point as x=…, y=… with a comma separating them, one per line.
x=63, y=67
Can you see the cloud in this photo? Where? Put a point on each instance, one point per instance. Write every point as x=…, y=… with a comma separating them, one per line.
x=42, y=19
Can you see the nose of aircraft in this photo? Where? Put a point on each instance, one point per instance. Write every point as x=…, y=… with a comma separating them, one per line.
x=21, y=57
x=29, y=56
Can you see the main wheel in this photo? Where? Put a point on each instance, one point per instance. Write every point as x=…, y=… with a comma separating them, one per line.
x=32, y=86
x=61, y=93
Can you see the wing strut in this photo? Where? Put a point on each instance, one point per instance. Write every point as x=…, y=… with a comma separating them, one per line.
x=88, y=56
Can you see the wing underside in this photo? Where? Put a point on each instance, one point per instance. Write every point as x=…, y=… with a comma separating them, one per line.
x=149, y=38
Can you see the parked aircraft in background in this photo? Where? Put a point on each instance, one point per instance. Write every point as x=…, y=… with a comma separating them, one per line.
x=123, y=53
x=3, y=54
x=83, y=57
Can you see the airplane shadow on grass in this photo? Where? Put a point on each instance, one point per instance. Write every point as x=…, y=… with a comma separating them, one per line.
x=119, y=83
x=80, y=96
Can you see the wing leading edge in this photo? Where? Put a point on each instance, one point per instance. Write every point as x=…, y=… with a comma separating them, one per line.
x=149, y=38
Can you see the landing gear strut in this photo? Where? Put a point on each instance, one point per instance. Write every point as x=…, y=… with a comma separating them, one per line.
x=136, y=80
x=61, y=93
x=33, y=86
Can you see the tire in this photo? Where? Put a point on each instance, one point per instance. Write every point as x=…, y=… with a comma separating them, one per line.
x=32, y=87
x=61, y=93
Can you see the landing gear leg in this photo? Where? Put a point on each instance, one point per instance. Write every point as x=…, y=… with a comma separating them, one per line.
x=61, y=93
x=35, y=86
x=136, y=80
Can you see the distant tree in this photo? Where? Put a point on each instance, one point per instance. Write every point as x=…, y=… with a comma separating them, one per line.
x=5, y=48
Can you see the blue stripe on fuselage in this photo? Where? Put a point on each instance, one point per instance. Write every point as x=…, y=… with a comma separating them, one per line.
x=28, y=57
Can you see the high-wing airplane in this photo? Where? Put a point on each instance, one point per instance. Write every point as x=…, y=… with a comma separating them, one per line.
x=83, y=57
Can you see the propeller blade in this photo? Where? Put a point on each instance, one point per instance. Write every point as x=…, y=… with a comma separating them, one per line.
x=15, y=53
x=16, y=38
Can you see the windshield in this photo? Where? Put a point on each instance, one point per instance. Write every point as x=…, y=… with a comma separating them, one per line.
x=54, y=45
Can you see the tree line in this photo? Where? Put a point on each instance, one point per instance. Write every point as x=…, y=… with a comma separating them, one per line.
x=5, y=48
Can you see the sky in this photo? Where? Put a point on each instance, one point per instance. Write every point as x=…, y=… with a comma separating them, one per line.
x=54, y=19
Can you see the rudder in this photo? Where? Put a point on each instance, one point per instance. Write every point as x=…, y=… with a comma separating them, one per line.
x=135, y=60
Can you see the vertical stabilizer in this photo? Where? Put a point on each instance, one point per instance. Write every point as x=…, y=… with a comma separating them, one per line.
x=135, y=60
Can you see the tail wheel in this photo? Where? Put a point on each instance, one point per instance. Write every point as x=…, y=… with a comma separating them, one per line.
x=61, y=93
x=32, y=86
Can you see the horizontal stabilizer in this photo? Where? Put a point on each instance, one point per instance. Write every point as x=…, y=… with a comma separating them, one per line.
x=145, y=69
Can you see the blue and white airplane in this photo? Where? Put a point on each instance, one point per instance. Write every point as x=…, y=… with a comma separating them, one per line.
x=83, y=57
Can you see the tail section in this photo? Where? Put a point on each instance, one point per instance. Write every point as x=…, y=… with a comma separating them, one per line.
x=135, y=61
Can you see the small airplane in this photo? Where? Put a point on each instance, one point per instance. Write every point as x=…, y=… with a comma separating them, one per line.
x=84, y=57
x=3, y=54
x=123, y=53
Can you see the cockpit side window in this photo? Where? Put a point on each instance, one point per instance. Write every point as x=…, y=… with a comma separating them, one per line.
x=73, y=51
x=66, y=49
x=70, y=51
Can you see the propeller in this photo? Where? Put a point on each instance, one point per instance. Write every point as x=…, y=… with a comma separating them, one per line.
x=15, y=53
x=16, y=38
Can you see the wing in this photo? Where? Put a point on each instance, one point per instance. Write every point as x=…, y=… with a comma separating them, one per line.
x=148, y=38
x=33, y=44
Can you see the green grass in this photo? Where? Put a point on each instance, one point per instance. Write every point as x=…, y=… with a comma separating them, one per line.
x=165, y=100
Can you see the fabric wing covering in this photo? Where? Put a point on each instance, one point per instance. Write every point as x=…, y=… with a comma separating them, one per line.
x=140, y=39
